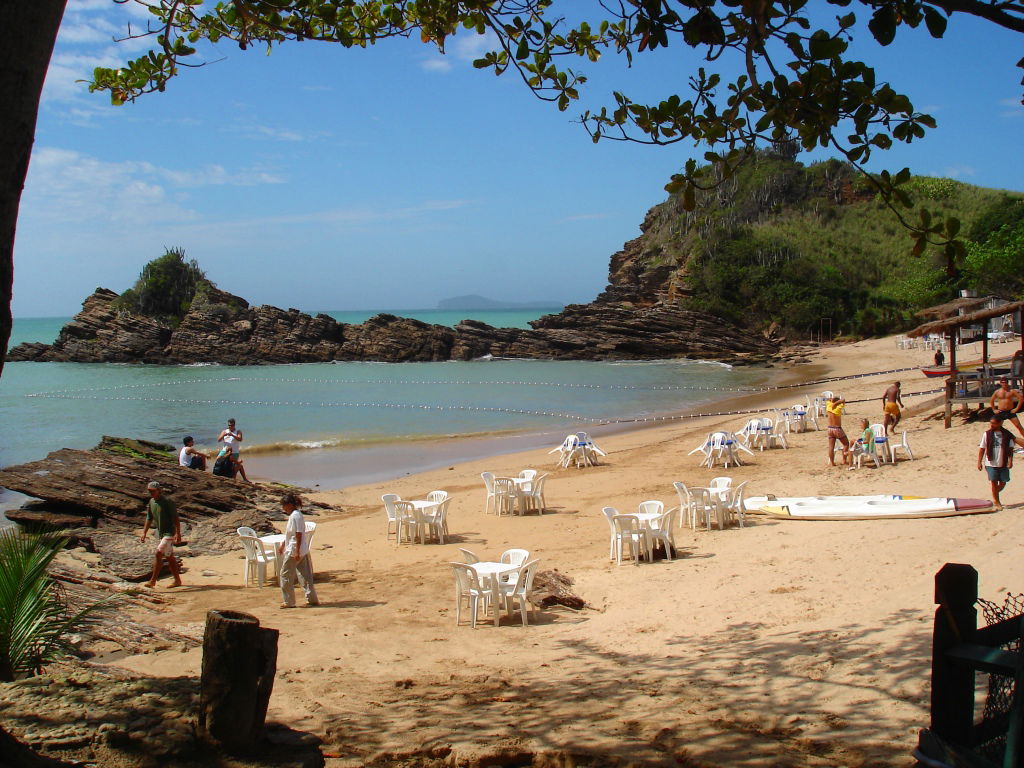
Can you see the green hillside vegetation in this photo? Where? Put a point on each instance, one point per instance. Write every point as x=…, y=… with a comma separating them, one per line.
x=792, y=245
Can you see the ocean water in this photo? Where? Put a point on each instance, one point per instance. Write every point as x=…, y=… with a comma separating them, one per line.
x=343, y=406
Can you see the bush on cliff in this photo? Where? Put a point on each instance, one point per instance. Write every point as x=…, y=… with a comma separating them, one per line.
x=166, y=287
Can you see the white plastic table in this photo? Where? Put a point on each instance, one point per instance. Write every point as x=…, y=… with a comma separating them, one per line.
x=489, y=572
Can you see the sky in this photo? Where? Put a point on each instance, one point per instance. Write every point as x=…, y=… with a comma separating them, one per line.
x=394, y=177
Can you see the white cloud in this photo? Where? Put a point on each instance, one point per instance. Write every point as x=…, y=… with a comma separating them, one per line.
x=436, y=65
x=250, y=131
x=1011, y=108
x=958, y=172
x=472, y=46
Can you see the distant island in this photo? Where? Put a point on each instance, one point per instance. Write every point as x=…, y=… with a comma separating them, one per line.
x=471, y=302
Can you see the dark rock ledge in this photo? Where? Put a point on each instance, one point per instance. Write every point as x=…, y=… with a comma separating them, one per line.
x=221, y=328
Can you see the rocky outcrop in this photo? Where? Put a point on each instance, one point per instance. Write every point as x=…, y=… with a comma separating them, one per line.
x=99, y=498
x=615, y=327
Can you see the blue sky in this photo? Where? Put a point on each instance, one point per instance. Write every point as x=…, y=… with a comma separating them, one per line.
x=392, y=178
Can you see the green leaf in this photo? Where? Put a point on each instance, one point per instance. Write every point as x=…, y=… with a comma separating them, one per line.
x=883, y=24
x=935, y=22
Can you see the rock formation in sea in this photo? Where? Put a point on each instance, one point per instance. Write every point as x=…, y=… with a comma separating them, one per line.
x=642, y=314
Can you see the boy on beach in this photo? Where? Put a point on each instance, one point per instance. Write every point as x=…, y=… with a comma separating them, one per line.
x=996, y=450
x=162, y=516
x=293, y=555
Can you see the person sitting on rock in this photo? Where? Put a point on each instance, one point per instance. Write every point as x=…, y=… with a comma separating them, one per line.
x=191, y=458
x=224, y=465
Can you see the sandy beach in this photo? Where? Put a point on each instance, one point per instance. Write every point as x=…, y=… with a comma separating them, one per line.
x=784, y=643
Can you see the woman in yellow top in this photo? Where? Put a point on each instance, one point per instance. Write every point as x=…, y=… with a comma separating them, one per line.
x=834, y=413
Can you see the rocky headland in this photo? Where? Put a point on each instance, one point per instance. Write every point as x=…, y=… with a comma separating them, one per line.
x=642, y=314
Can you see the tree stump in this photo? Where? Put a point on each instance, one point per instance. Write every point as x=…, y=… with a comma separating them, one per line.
x=239, y=664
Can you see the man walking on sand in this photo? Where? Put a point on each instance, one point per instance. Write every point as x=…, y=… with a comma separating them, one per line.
x=293, y=555
x=892, y=401
x=162, y=516
x=996, y=451
x=1006, y=404
x=834, y=413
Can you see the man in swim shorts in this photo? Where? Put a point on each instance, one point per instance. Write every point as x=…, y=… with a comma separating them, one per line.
x=162, y=516
x=231, y=437
x=834, y=413
x=1006, y=404
x=892, y=401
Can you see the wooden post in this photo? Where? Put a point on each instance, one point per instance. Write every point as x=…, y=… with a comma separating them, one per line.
x=956, y=590
x=950, y=391
x=239, y=664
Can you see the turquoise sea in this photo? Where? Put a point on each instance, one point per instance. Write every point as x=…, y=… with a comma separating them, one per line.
x=339, y=410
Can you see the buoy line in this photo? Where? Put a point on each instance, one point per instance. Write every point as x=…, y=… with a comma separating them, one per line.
x=567, y=385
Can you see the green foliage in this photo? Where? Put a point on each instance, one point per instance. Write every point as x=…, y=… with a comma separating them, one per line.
x=997, y=265
x=166, y=287
x=784, y=243
x=1008, y=211
x=34, y=615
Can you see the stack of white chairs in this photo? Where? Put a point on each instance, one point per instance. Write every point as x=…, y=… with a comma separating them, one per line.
x=257, y=557
x=590, y=449
x=569, y=452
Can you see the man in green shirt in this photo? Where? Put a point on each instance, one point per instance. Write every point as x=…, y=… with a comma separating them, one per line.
x=163, y=518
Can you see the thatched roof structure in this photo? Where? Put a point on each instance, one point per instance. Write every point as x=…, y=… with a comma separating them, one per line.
x=953, y=308
x=956, y=321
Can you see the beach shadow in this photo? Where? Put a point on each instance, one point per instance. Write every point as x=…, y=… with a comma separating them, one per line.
x=698, y=700
x=334, y=577
x=351, y=603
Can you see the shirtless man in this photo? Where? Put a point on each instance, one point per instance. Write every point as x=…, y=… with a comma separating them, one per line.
x=834, y=412
x=1006, y=403
x=892, y=401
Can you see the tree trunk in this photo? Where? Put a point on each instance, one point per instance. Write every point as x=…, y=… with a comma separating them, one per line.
x=28, y=31
x=239, y=664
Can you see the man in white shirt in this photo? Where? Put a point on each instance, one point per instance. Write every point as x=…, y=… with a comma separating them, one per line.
x=293, y=555
x=996, y=450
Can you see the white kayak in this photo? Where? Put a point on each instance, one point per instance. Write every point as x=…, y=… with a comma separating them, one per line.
x=879, y=507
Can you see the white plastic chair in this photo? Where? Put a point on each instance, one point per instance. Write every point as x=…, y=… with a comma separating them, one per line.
x=720, y=484
x=489, y=485
x=514, y=557
x=518, y=588
x=881, y=442
x=685, y=503
x=735, y=507
x=467, y=587
x=902, y=445
x=506, y=496
x=661, y=530
x=389, y=500
x=528, y=474
x=629, y=533
x=610, y=513
x=257, y=557
x=409, y=522
x=469, y=557
x=858, y=451
x=534, y=497
x=702, y=507
x=704, y=449
x=437, y=519
x=569, y=451
x=775, y=436
x=750, y=433
x=308, y=536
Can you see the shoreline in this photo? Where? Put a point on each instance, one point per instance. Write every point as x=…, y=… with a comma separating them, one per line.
x=335, y=469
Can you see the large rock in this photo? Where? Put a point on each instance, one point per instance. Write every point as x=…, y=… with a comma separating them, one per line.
x=99, y=497
x=230, y=332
